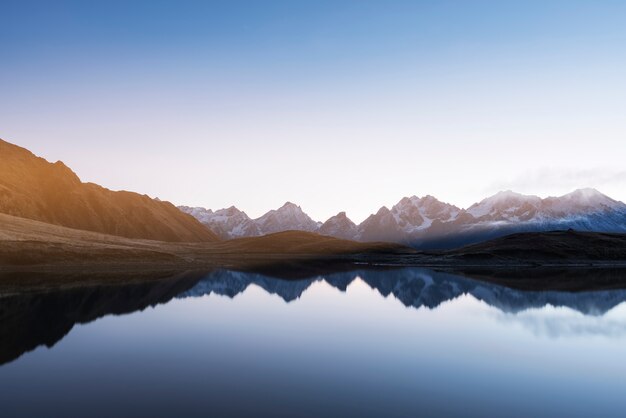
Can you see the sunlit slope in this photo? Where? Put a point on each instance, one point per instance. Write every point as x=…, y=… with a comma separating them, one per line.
x=33, y=188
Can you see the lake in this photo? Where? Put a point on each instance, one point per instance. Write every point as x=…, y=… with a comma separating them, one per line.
x=369, y=343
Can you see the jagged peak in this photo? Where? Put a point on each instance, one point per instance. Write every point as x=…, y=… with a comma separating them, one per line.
x=231, y=210
x=62, y=168
x=429, y=197
x=413, y=199
x=586, y=193
x=509, y=194
x=420, y=201
x=341, y=216
x=506, y=198
x=195, y=209
x=383, y=210
x=289, y=204
x=587, y=197
x=505, y=195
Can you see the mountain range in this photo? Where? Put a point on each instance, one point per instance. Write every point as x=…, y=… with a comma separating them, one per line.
x=33, y=188
x=425, y=222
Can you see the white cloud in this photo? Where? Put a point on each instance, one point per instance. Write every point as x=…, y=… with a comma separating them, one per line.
x=557, y=181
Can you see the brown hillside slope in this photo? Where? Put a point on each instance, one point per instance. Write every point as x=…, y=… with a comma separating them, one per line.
x=33, y=188
x=24, y=242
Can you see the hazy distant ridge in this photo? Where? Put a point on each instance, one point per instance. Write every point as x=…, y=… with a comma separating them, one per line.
x=427, y=222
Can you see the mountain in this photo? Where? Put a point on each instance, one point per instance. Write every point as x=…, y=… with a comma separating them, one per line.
x=287, y=217
x=339, y=226
x=513, y=207
x=33, y=188
x=427, y=223
x=226, y=223
x=506, y=206
x=408, y=220
x=232, y=223
x=507, y=212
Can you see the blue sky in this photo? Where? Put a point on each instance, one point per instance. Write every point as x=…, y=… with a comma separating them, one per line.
x=334, y=105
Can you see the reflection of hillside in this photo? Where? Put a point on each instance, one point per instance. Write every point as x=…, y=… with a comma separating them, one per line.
x=33, y=319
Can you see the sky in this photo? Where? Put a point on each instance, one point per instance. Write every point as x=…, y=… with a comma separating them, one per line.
x=333, y=105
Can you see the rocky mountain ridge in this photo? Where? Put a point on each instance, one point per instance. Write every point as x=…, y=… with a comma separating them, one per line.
x=425, y=222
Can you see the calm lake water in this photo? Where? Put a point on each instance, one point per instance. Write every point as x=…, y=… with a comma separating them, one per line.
x=387, y=343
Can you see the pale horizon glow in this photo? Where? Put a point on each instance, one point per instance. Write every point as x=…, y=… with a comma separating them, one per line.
x=333, y=107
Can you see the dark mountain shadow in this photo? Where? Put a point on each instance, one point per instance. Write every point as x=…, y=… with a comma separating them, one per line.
x=31, y=319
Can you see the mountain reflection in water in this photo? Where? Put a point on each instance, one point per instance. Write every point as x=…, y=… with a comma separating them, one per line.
x=43, y=318
x=413, y=287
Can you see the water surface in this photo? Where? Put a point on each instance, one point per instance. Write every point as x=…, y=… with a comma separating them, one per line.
x=394, y=343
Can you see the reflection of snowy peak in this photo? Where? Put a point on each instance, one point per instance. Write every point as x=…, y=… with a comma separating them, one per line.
x=413, y=287
x=429, y=223
x=231, y=283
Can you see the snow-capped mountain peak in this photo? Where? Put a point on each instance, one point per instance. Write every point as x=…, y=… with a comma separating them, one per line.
x=415, y=213
x=201, y=214
x=587, y=198
x=227, y=223
x=422, y=221
x=288, y=217
x=505, y=205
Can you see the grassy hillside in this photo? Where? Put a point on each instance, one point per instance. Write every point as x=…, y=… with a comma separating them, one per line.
x=24, y=242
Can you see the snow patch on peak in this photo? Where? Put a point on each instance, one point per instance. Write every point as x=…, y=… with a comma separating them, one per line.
x=418, y=213
x=503, y=203
x=227, y=223
x=583, y=201
x=415, y=220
